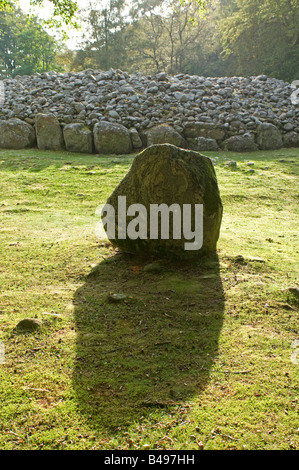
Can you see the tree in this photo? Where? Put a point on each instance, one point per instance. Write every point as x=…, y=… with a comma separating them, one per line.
x=184, y=28
x=145, y=38
x=235, y=37
x=163, y=35
x=105, y=27
x=154, y=35
x=25, y=47
x=263, y=37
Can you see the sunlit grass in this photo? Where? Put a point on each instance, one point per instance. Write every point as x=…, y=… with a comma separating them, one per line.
x=198, y=356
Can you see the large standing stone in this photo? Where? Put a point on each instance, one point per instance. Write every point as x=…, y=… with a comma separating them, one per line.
x=165, y=174
x=78, y=138
x=111, y=138
x=48, y=132
x=240, y=143
x=16, y=134
x=163, y=134
x=268, y=137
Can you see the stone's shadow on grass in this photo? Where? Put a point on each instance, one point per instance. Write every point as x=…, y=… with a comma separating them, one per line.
x=153, y=349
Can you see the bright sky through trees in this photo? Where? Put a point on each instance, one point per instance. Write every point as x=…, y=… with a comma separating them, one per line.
x=45, y=13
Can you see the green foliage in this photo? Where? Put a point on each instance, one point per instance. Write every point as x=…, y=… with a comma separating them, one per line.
x=25, y=47
x=211, y=38
x=155, y=35
x=63, y=10
x=5, y=5
x=202, y=37
x=249, y=33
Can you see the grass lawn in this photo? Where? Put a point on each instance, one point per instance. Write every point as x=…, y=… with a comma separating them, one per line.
x=199, y=356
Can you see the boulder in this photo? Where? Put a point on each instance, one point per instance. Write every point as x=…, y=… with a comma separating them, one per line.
x=291, y=139
x=16, y=134
x=111, y=138
x=165, y=174
x=240, y=143
x=135, y=138
x=203, y=144
x=208, y=130
x=48, y=132
x=163, y=134
x=78, y=138
x=268, y=137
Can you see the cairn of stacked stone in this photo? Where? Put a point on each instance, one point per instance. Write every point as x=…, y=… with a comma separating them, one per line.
x=114, y=112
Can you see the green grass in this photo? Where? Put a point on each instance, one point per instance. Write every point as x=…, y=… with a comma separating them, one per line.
x=198, y=356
